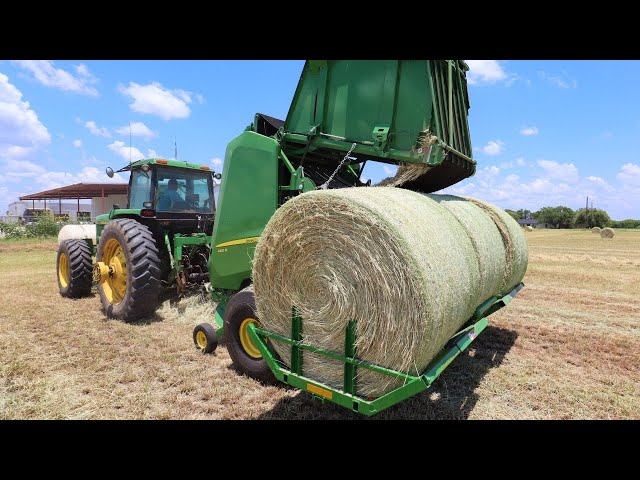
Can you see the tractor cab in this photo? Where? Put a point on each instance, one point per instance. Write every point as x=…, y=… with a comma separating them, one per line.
x=179, y=195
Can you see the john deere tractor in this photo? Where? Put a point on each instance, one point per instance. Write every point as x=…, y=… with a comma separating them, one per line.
x=158, y=244
x=173, y=237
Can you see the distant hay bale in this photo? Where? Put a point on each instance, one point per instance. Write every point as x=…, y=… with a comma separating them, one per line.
x=529, y=228
x=408, y=268
x=595, y=230
x=607, y=233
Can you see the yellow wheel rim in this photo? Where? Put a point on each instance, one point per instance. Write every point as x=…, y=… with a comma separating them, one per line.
x=201, y=340
x=246, y=341
x=114, y=285
x=63, y=270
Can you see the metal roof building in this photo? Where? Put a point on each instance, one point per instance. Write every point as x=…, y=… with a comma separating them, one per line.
x=98, y=193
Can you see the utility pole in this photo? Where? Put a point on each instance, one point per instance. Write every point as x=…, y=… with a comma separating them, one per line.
x=586, y=213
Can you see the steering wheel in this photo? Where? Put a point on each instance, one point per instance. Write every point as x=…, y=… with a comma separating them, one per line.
x=180, y=205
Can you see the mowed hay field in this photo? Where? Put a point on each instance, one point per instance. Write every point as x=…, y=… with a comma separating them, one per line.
x=568, y=347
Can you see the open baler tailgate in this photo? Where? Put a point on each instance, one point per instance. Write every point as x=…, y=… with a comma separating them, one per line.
x=404, y=112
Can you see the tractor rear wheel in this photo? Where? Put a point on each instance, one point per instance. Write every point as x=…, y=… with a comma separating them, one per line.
x=246, y=358
x=128, y=268
x=74, y=268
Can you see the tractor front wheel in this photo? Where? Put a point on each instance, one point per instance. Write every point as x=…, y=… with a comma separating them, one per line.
x=128, y=270
x=246, y=358
x=74, y=268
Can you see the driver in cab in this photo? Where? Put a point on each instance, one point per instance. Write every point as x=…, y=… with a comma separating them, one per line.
x=170, y=196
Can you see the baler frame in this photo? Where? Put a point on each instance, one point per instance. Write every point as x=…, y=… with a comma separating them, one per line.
x=347, y=396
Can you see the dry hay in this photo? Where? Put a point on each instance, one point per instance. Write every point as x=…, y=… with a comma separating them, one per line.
x=529, y=228
x=192, y=309
x=607, y=233
x=595, y=230
x=408, y=172
x=408, y=268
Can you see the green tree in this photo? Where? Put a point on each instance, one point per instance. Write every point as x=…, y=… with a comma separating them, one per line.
x=559, y=217
x=523, y=213
x=513, y=214
x=628, y=223
x=564, y=217
x=597, y=218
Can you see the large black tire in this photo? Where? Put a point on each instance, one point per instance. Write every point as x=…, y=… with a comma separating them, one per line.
x=142, y=266
x=74, y=269
x=241, y=307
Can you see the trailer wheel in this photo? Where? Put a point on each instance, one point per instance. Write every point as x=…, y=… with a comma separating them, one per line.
x=205, y=338
x=128, y=269
x=246, y=358
x=74, y=267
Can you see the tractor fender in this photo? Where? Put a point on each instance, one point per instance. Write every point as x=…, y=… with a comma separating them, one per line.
x=77, y=232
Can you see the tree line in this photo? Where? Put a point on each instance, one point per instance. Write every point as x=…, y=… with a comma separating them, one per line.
x=565, y=217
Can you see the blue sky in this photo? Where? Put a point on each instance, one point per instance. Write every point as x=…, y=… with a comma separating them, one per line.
x=544, y=132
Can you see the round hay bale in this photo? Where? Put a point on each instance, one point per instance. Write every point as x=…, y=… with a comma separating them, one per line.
x=529, y=228
x=607, y=233
x=408, y=268
x=595, y=230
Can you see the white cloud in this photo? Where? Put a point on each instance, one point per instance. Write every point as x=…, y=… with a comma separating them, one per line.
x=48, y=75
x=82, y=70
x=494, y=147
x=629, y=174
x=138, y=129
x=598, y=180
x=217, y=162
x=151, y=153
x=389, y=170
x=48, y=180
x=18, y=169
x=529, y=131
x=77, y=143
x=155, y=99
x=520, y=162
x=550, y=183
x=561, y=171
x=21, y=132
x=99, y=131
x=199, y=98
x=485, y=71
x=560, y=81
x=125, y=152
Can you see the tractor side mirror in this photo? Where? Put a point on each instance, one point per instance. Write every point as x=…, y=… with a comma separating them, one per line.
x=116, y=206
x=217, y=176
x=109, y=172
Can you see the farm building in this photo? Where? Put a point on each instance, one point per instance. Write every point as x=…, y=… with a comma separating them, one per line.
x=529, y=222
x=101, y=196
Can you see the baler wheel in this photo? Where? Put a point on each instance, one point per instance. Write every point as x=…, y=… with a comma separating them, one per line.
x=205, y=338
x=246, y=358
x=74, y=268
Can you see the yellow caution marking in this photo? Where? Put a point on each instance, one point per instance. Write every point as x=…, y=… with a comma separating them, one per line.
x=240, y=241
x=319, y=391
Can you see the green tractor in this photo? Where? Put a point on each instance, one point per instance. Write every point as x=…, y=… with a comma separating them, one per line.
x=173, y=237
x=154, y=246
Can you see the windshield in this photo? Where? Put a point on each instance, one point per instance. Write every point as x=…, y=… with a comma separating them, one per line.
x=140, y=190
x=184, y=191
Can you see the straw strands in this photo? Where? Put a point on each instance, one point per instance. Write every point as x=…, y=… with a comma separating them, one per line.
x=408, y=268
